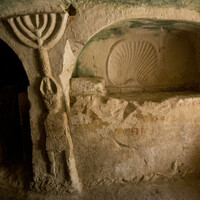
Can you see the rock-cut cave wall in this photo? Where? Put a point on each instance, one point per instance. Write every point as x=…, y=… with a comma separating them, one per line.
x=113, y=92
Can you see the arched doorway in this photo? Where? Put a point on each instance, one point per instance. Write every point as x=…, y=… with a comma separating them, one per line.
x=15, y=141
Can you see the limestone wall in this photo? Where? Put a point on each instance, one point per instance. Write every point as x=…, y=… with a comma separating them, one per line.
x=113, y=136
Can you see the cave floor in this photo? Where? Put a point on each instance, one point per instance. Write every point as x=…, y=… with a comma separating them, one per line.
x=182, y=189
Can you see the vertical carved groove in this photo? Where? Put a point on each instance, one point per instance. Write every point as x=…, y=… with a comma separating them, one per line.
x=51, y=27
x=28, y=22
x=59, y=33
x=25, y=30
x=45, y=21
x=37, y=21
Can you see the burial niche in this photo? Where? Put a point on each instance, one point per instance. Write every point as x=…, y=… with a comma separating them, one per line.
x=143, y=55
x=15, y=141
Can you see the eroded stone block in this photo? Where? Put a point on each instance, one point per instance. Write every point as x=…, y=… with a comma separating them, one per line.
x=88, y=86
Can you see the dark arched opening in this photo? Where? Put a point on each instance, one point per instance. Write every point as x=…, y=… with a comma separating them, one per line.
x=15, y=141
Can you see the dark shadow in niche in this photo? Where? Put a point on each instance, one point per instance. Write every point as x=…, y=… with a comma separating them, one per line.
x=15, y=138
x=71, y=10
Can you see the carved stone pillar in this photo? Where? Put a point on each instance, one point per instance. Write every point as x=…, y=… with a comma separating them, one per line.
x=42, y=32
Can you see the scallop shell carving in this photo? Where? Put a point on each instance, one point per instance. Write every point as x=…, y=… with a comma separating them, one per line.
x=132, y=62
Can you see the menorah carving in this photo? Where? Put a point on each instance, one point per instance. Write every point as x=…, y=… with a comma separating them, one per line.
x=42, y=32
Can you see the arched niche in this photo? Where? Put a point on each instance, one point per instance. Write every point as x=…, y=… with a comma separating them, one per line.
x=171, y=50
x=143, y=55
x=15, y=141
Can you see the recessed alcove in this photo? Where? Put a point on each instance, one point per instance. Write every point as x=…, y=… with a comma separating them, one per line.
x=144, y=55
x=15, y=141
x=145, y=128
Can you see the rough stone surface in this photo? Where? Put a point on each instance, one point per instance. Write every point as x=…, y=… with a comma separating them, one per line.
x=88, y=86
x=160, y=3
x=133, y=142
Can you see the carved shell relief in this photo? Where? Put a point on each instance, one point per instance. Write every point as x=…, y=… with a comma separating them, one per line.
x=132, y=63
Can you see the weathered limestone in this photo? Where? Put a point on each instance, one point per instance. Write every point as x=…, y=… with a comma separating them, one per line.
x=88, y=86
x=39, y=32
x=58, y=138
x=136, y=139
x=36, y=31
x=113, y=92
x=139, y=67
x=143, y=55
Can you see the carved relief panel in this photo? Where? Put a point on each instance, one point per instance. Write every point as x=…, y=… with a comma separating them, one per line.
x=142, y=55
x=132, y=62
x=42, y=32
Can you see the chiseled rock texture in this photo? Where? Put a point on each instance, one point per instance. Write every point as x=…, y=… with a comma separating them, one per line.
x=133, y=139
x=127, y=143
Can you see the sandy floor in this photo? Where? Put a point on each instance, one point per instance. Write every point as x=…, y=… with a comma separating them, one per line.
x=175, y=190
